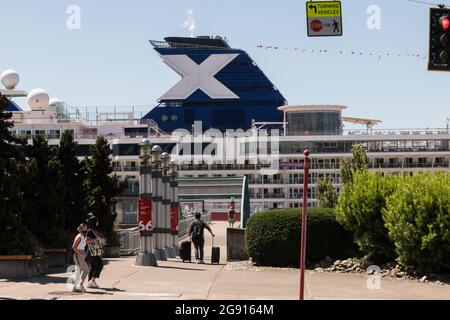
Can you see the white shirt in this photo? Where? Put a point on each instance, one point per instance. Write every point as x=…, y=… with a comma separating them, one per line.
x=82, y=243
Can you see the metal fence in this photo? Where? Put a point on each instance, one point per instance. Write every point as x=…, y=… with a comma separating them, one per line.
x=129, y=241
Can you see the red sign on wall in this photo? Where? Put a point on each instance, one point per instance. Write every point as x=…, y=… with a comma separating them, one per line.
x=174, y=216
x=145, y=215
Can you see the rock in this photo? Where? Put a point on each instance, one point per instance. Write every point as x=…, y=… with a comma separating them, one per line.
x=328, y=259
x=401, y=274
x=347, y=262
x=318, y=269
x=394, y=271
x=389, y=265
x=423, y=279
x=337, y=262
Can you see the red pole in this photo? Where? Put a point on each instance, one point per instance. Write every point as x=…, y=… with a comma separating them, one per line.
x=304, y=220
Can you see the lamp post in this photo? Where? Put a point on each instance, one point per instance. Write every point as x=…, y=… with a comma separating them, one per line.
x=304, y=221
x=146, y=256
x=174, y=206
x=157, y=192
x=166, y=232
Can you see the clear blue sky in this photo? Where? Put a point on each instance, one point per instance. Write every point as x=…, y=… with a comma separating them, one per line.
x=110, y=62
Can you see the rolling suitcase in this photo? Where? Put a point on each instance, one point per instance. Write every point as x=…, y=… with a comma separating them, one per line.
x=215, y=254
x=185, y=251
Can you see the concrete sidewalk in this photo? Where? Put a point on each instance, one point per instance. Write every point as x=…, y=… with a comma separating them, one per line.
x=176, y=280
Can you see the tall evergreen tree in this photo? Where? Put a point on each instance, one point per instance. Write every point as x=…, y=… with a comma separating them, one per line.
x=44, y=214
x=15, y=239
x=103, y=187
x=73, y=175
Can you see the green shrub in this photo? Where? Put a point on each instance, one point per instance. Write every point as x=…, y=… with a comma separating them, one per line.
x=359, y=209
x=273, y=238
x=417, y=216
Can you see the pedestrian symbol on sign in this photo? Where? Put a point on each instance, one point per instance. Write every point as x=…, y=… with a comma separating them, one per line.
x=336, y=26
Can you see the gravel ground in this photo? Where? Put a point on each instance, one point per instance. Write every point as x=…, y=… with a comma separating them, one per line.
x=346, y=266
x=249, y=266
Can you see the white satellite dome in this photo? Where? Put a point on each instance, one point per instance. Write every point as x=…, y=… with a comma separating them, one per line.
x=38, y=99
x=53, y=102
x=56, y=105
x=10, y=79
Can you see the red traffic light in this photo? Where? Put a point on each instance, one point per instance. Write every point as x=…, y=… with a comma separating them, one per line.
x=445, y=22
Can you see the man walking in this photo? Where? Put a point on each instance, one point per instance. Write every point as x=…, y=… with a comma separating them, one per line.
x=197, y=234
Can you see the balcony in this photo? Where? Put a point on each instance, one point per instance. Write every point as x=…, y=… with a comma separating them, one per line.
x=222, y=167
x=268, y=196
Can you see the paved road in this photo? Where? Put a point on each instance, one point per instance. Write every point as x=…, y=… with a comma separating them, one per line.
x=176, y=280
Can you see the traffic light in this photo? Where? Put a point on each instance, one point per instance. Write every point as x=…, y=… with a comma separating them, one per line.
x=439, y=54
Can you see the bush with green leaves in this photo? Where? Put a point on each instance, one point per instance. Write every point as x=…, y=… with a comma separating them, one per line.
x=273, y=237
x=359, y=209
x=326, y=194
x=417, y=216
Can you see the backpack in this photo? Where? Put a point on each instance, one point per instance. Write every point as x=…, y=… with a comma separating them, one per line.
x=197, y=231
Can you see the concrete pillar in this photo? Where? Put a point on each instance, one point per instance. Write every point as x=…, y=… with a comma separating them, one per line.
x=175, y=202
x=166, y=210
x=146, y=256
x=158, y=209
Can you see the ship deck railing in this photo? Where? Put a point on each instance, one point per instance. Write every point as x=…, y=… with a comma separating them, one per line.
x=393, y=132
x=175, y=45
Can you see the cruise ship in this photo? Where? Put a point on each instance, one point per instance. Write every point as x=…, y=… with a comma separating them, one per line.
x=225, y=120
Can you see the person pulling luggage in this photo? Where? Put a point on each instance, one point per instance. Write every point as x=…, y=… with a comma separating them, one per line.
x=197, y=234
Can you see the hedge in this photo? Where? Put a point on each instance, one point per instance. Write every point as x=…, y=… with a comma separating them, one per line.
x=273, y=237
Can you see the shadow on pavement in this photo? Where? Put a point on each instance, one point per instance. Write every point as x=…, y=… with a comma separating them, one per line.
x=113, y=290
x=45, y=279
x=180, y=268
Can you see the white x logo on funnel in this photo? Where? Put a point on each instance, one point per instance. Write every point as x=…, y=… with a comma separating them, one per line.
x=198, y=76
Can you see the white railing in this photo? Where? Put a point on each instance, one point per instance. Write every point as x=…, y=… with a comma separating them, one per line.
x=129, y=241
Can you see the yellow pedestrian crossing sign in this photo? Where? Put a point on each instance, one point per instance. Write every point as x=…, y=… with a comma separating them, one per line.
x=324, y=18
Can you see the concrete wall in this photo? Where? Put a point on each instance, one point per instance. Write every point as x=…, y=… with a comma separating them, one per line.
x=56, y=259
x=236, y=249
x=23, y=269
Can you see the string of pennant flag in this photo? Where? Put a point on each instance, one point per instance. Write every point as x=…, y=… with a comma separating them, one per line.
x=344, y=52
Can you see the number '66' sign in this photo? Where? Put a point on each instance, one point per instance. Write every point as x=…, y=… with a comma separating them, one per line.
x=145, y=215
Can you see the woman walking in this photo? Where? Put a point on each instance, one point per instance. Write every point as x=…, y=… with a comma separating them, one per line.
x=95, y=252
x=79, y=257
